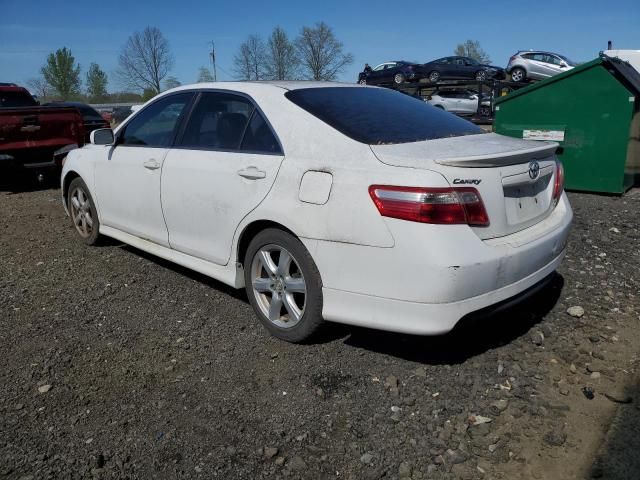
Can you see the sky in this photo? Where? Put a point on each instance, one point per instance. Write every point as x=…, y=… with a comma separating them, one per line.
x=373, y=31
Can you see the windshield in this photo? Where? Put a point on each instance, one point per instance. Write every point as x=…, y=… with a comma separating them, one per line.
x=378, y=116
x=571, y=63
x=16, y=99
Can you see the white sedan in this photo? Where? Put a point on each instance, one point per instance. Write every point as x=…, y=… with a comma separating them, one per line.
x=334, y=202
x=460, y=102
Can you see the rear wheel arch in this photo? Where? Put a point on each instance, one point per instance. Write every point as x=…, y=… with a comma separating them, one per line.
x=253, y=229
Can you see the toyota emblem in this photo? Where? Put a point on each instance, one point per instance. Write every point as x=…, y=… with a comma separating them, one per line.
x=534, y=169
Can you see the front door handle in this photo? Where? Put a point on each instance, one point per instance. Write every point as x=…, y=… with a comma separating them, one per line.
x=151, y=164
x=252, y=173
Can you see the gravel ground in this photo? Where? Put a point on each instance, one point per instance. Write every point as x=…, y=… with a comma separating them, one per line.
x=118, y=365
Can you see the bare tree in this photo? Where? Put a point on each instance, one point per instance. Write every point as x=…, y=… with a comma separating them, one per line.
x=472, y=49
x=204, y=75
x=249, y=63
x=281, y=61
x=39, y=87
x=321, y=53
x=145, y=60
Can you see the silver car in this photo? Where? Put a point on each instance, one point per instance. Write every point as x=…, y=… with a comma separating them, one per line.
x=537, y=65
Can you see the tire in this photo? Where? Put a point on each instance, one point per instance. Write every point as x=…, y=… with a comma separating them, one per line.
x=82, y=211
x=434, y=77
x=363, y=81
x=518, y=75
x=295, y=284
x=398, y=78
x=481, y=75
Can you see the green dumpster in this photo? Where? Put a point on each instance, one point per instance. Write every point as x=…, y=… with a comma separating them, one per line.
x=593, y=112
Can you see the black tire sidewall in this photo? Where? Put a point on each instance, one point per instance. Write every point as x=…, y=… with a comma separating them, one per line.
x=95, y=232
x=312, y=316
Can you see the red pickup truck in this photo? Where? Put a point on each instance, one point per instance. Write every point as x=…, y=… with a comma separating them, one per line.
x=35, y=137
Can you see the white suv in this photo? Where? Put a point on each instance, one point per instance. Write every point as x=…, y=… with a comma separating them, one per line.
x=537, y=65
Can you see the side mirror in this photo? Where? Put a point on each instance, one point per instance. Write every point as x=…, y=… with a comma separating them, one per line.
x=102, y=136
x=563, y=65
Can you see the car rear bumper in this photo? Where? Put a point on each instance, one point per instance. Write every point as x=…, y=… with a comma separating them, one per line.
x=424, y=318
x=433, y=276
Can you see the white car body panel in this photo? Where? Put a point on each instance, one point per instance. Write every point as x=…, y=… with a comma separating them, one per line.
x=204, y=198
x=376, y=271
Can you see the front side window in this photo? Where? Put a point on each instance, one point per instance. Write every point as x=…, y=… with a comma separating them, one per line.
x=378, y=116
x=217, y=122
x=156, y=125
x=380, y=67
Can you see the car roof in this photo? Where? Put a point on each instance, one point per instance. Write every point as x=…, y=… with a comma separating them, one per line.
x=539, y=51
x=246, y=86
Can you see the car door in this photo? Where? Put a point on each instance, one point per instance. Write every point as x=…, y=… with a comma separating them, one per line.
x=127, y=179
x=222, y=166
x=377, y=75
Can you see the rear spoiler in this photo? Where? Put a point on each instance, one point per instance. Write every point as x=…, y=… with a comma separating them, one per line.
x=502, y=159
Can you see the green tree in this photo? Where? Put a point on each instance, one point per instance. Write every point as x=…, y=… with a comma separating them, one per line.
x=204, y=75
x=96, y=83
x=171, y=82
x=148, y=94
x=320, y=53
x=472, y=49
x=62, y=73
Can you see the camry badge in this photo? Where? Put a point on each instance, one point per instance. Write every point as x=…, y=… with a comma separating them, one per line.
x=534, y=169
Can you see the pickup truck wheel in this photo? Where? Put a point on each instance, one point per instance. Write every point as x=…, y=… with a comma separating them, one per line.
x=83, y=212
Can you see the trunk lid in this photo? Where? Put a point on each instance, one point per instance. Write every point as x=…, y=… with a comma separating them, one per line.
x=497, y=166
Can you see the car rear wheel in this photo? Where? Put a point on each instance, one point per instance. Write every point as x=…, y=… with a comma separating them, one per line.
x=518, y=75
x=363, y=81
x=83, y=212
x=434, y=77
x=283, y=285
x=398, y=78
x=481, y=75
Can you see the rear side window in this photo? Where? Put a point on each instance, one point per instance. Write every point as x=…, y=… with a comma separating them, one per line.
x=16, y=99
x=258, y=137
x=378, y=116
x=156, y=124
x=217, y=122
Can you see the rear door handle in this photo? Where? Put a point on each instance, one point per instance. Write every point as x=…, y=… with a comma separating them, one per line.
x=151, y=164
x=252, y=173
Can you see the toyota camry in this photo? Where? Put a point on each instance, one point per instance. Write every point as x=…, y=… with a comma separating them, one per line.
x=327, y=202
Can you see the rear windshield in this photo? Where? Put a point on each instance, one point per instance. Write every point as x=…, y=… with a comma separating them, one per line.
x=16, y=99
x=378, y=116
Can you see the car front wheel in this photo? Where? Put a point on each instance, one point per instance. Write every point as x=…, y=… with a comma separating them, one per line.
x=83, y=212
x=363, y=81
x=518, y=75
x=434, y=77
x=398, y=78
x=283, y=285
x=481, y=75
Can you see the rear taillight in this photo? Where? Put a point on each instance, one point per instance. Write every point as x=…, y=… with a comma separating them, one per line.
x=461, y=205
x=558, y=185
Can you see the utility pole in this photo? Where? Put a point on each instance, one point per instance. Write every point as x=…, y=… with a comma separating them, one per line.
x=213, y=60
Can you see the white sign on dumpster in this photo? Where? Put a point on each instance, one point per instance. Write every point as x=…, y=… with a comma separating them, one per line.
x=555, y=135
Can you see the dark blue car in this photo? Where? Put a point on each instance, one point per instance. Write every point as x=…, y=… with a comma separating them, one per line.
x=390, y=72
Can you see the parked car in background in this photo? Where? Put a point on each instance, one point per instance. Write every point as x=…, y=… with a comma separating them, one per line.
x=537, y=65
x=36, y=137
x=457, y=68
x=120, y=114
x=92, y=119
x=106, y=115
x=390, y=73
x=327, y=201
x=460, y=102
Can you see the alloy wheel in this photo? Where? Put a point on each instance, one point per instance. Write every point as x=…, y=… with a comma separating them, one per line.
x=398, y=78
x=517, y=75
x=278, y=286
x=81, y=212
x=363, y=81
x=481, y=76
x=434, y=77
